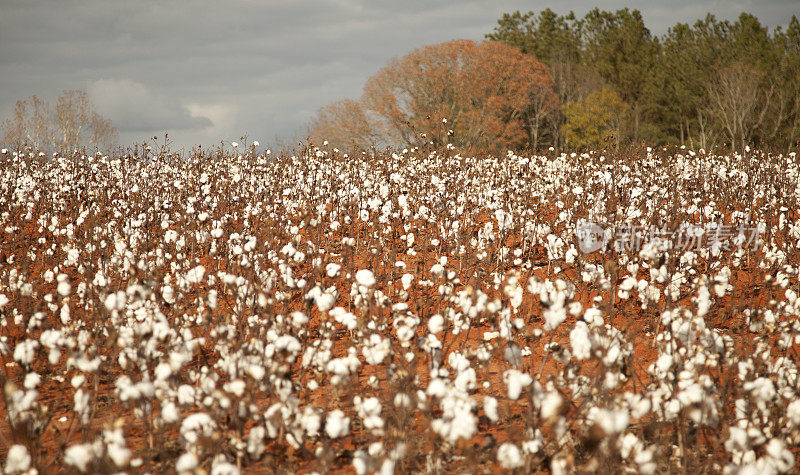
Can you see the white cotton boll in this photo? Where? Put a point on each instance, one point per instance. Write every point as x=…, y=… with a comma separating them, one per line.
x=18, y=459
x=236, y=387
x=574, y=308
x=332, y=270
x=781, y=458
x=644, y=460
x=64, y=314
x=79, y=456
x=436, y=323
x=337, y=424
x=579, y=339
x=299, y=319
x=629, y=444
x=406, y=280
x=594, y=317
x=793, y=413
x=466, y=380
x=116, y=450
x=325, y=301
x=551, y=405
x=376, y=349
x=199, y=422
x=342, y=316
x=611, y=421
x=162, y=372
x=111, y=302
x=3, y=300
x=168, y=294
x=553, y=317
x=186, y=462
x=311, y=421
x=212, y=299
x=490, y=408
x=402, y=400
x=360, y=462
x=365, y=278
x=63, y=288
x=195, y=275
x=170, y=413
x=516, y=381
x=509, y=456
x=31, y=380
x=77, y=381
x=25, y=351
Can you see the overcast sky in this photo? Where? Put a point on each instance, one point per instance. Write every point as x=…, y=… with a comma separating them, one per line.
x=213, y=70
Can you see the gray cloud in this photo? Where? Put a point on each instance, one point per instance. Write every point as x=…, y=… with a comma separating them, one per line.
x=206, y=70
x=133, y=107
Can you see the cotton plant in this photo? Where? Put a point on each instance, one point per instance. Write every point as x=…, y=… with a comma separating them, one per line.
x=304, y=302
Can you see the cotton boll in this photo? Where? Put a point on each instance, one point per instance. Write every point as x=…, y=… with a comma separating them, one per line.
x=406, y=280
x=64, y=314
x=332, y=270
x=186, y=462
x=509, y=456
x=365, y=278
x=580, y=341
x=554, y=315
x=516, y=382
x=18, y=459
x=490, y=408
x=325, y=301
x=612, y=422
x=31, y=380
x=551, y=405
x=170, y=413
x=25, y=351
x=436, y=323
x=781, y=457
x=337, y=424
x=79, y=456
x=168, y=294
x=299, y=319
x=195, y=275
x=63, y=287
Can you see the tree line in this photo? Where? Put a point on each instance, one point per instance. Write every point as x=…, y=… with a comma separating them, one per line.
x=66, y=125
x=548, y=80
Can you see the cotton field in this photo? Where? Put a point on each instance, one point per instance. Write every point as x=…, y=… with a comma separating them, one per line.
x=416, y=310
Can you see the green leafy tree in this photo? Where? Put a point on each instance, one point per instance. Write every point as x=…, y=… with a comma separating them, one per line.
x=704, y=84
x=557, y=41
x=623, y=51
x=599, y=119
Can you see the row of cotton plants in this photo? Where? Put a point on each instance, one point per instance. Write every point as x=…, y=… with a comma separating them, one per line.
x=402, y=311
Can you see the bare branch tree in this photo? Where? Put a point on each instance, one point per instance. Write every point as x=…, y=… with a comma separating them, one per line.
x=343, y=124
x=735, y=100
x=71, y=124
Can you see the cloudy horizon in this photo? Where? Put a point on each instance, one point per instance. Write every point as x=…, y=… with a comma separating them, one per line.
x=210, y=71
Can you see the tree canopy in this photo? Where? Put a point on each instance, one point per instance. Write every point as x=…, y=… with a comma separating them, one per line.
x=68, y=124
x=544, y=79
x=712, y=83
x=484, y=96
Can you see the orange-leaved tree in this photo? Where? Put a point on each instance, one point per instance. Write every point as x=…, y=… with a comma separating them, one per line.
x=493, y=96
x=343, y=124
